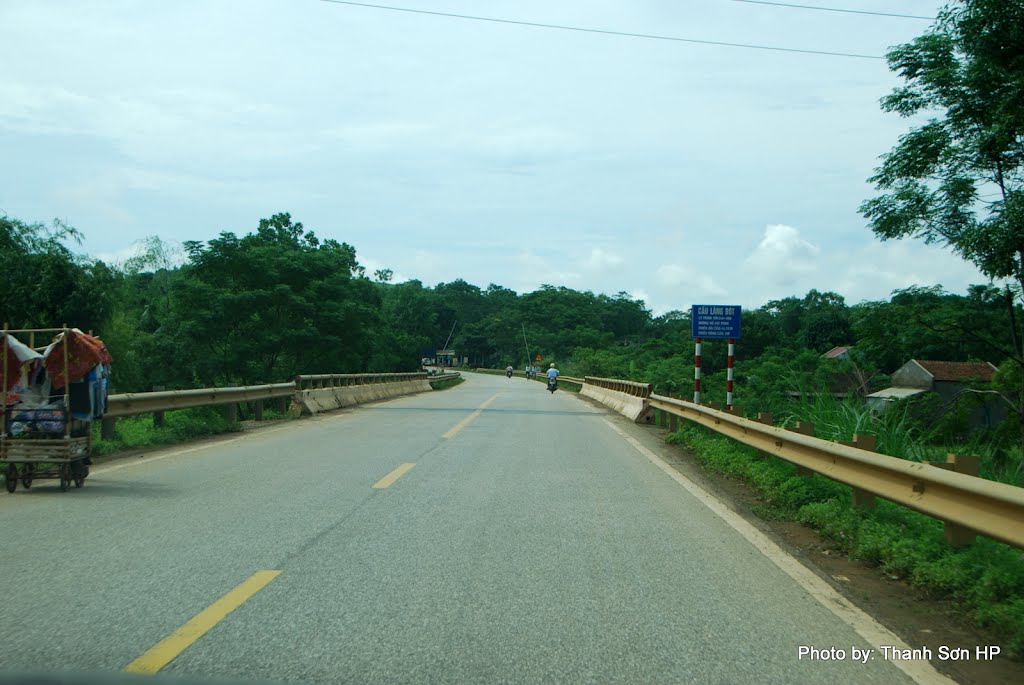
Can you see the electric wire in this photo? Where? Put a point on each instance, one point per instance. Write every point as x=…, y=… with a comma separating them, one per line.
x=563, y=27
x=836, y=9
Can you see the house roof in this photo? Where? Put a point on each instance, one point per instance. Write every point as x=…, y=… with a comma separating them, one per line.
x=896, y=393
x=957, y=371
x=836, y=351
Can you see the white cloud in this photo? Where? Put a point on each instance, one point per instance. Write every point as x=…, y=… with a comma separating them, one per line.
x=173, y=254
x=372, y=265
x=640, y=294
x=873, y=270
x=533, y=271
x=782, y=256
x=676, y=276
x=602, y=260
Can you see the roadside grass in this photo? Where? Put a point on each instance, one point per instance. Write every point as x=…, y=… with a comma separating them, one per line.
x=445, y=384
x=901, y=433
x=179, y=426
x=985, y=579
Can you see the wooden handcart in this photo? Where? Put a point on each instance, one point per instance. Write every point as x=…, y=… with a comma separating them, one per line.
x=33, y=454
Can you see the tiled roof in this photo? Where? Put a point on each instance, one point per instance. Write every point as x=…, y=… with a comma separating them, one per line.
x=836, y=351
x=958, y=371
x=897, y=393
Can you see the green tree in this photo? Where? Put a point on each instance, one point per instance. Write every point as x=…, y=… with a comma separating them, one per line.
x=958, y=178
x=43, y=284
x=272, y=304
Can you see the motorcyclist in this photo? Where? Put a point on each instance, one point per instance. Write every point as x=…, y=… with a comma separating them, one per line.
x=552, y=373
x=508, y=371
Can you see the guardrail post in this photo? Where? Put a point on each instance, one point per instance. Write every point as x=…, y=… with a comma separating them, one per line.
x=281, y=404
x=768, y=419
x=803, y=428
x=673, y=423
x=231, y=412
x=967, y=464
x=158, y=416
x=862, y=499
x=257, y=410
x=108, y=428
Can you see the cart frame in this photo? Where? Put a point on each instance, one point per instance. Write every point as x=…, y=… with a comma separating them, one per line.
x=64, y=459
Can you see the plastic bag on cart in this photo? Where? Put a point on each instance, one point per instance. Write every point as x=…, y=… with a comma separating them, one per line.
x=45, y=420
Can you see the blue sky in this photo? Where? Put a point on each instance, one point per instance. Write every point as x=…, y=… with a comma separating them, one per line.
x=444, y=148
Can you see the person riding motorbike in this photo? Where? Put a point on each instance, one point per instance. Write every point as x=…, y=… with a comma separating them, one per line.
x=552, y=378
x=508, y=371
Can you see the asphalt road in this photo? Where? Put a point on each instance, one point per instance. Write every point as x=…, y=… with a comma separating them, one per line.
x=530, y=542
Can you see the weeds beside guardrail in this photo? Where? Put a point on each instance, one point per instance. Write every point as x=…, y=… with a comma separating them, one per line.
x=962, y=501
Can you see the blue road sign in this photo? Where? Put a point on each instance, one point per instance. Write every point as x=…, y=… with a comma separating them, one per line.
x=715, y=321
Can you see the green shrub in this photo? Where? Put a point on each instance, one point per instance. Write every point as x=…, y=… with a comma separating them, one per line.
x=180, y=425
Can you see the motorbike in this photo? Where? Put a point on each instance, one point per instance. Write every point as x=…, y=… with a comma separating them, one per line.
x=508, y=374
x=552, y=385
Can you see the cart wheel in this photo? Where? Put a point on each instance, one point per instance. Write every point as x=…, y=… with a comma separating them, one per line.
x=65, y=477
x=78, y=472
x=26, y=476
x=12, y=477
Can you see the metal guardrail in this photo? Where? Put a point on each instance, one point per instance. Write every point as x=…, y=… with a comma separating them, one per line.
x=629, y=387
x=130, y=404
x=339, y=380
x=990, y=508
x=448, y=375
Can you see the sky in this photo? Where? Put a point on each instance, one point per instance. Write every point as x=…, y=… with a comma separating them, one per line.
x=445, y=148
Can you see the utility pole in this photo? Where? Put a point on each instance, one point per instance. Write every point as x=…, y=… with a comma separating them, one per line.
x=450, y=335
x=529, y=359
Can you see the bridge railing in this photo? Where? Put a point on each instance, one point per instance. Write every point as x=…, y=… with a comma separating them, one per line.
x=628, y=387
x=130, y=404
x=340, y=380
x=949, y=491
x=160, y=401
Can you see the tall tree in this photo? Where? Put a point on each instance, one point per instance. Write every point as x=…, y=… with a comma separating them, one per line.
x=958, y=178
x=272, y=304
x=43, y=284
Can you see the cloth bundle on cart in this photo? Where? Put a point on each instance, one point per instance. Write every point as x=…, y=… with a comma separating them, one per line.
x=21, y=362
x=85, y=352
x=36, y=382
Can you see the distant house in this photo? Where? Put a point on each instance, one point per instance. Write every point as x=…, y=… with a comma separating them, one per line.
x=945, y=379
x=842, y=385
x=841, y=352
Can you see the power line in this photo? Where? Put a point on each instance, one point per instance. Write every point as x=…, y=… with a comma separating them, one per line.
x=562, y=27
x=835, y=9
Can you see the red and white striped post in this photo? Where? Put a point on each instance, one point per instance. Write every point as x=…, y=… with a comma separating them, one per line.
x=696, y=372
x=728, y=376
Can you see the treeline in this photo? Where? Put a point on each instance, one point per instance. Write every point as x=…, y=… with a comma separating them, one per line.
x=277, y=301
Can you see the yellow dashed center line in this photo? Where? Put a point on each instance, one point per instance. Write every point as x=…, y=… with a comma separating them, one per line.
x=177, y=642
x=469, y=419
x=388, y=480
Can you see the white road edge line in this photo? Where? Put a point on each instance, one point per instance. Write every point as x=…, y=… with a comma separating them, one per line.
x=873, y=632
